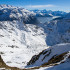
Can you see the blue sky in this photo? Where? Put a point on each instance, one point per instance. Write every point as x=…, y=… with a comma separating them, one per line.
x=63, y=5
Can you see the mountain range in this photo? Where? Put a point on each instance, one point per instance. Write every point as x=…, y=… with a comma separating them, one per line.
x=27, y=44
x=48, y=13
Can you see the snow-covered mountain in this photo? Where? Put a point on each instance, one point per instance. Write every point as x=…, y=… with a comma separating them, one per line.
x=57, y=31
x=53, y=56
x=22, y=37
x=19, y=41
x=48, y=13
x=10, y=13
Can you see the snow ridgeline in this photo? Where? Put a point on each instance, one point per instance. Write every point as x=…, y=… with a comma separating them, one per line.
x=64, y=66
x=52, y=58
x=10, y=13
x=48, y=13
x=47, y=54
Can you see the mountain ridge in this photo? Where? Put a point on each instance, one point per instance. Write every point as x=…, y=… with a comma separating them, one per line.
x=48, y=13
x=23, y=37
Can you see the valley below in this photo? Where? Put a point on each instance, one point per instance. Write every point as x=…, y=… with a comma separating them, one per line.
x=31, y=41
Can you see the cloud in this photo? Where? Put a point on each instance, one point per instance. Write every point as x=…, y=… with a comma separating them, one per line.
x=39, y=6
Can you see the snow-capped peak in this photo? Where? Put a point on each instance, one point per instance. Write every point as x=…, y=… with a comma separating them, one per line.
x=8, y=12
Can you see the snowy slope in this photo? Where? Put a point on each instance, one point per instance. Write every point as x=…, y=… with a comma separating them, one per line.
x=19, y=41
x=57, y=31
x=51, y=53
x=67, y=16
x=20, y=38
x=64, y=66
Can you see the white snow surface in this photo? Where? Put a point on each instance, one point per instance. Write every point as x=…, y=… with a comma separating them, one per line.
x=55, y=50
x=8, y=12
x=19, y=42
x=62, y=66
x=57, y=31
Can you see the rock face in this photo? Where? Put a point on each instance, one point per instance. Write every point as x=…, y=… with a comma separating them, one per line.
x=52, y=56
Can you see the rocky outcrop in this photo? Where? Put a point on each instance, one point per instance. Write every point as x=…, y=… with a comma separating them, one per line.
x=51, y=56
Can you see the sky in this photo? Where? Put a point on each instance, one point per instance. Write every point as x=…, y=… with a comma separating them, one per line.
x=62, y=5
